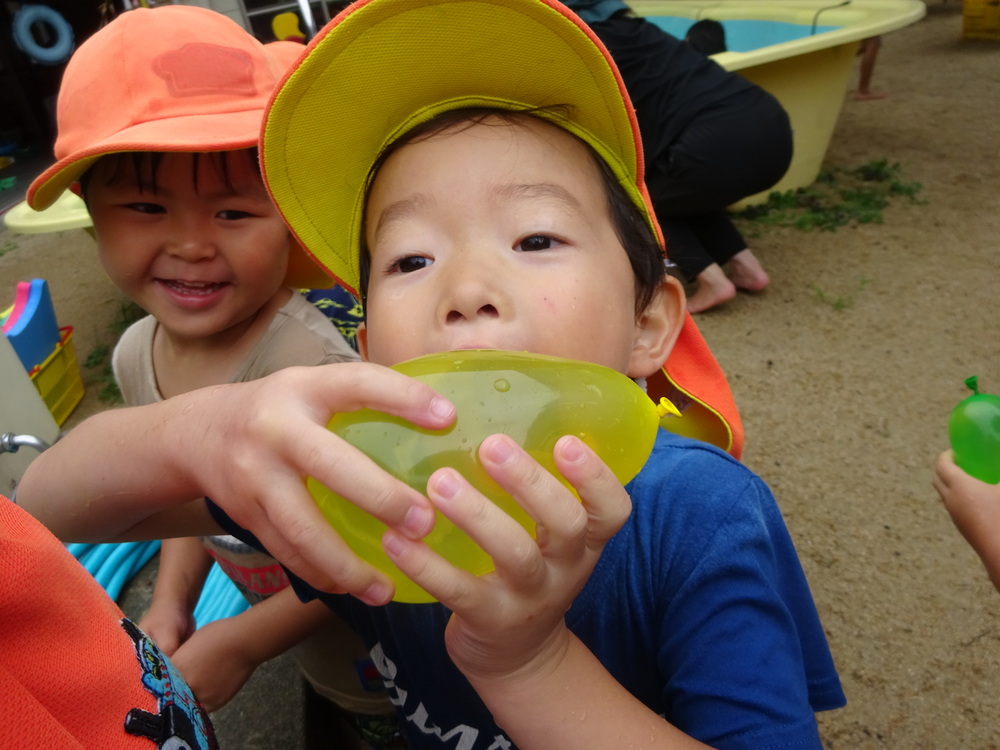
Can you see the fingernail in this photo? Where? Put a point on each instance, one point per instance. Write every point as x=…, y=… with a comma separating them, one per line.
x=572, y=451
x=393, y=544
x=499, y=451
x=442, y=408
x=376, y=594
x=446, y=485
x=419, y=520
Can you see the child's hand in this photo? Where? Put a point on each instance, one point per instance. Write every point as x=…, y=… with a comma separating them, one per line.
x=273, y=434
x=511, y=622
x=214, y=665
x=168, y=627
x=974, y=507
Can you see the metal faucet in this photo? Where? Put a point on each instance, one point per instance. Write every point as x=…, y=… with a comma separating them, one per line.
x=10, y=443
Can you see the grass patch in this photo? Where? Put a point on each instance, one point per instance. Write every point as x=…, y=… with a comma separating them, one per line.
x=99, y=358
x=8, y=246
x=843, y=301
x=838, y=197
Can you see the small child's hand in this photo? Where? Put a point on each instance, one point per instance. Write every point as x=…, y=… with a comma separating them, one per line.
x=168, y=627
x=214, y=665
x=267, y=435
x=974, y=507
x=511, y=622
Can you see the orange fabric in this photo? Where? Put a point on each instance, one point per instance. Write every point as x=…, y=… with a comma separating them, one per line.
x=71, y=675
x=693, y=380
x=172, y=78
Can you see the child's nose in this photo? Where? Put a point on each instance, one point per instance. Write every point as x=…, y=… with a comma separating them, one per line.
x=474, y=292
x=191, y=241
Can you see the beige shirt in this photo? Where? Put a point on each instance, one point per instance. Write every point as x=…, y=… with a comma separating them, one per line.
x=333, y=660
x=299, y=334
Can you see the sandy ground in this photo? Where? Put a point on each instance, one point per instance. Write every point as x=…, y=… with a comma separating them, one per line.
x=845, y=409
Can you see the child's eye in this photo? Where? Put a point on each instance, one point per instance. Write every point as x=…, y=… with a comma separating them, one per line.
x=409, y=264
x=146, y=208
x=233, y=215
x=536, y=242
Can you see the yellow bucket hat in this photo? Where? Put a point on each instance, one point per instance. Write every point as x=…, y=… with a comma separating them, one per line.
x=384, y=66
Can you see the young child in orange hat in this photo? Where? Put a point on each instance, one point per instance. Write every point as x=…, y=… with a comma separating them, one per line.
x=497, y=206
x=158, y=115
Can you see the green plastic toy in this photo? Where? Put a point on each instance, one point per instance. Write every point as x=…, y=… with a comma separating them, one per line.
x=533, y=398
x=974, y=431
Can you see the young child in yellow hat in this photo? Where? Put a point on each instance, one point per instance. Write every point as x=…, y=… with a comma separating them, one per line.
x=158, y=116
x=488, y=193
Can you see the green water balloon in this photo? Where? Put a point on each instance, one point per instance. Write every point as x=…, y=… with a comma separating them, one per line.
x=534, y=399
x=974, y=432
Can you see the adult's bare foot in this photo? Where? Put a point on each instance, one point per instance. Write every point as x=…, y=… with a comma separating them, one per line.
x=714, y=288
x=746, y=272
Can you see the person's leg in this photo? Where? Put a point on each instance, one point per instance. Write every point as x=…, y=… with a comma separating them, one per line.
x=868, y=50
x=718, y=235
x=712, y=286
x=714, y=255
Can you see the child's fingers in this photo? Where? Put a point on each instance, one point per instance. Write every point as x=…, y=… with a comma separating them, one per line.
x=607, y=503
x=431, y=572
x=499, y=535
x=361, y=385
x=288, y=441
x=345, y=470
x=561, y=521
x=295, y=532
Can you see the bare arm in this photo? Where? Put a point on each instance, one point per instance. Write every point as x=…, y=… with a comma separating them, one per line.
x=249, y=447
x=221, y=656
x=184, y=566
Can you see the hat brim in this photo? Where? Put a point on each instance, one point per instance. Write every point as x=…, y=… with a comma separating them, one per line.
x=381, y=68
x=196, y=133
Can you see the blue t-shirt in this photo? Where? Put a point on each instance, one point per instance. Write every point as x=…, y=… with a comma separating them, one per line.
x=698, y=606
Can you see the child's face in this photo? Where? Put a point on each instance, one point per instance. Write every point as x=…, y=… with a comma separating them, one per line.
x=497, y=235
x=200, y=255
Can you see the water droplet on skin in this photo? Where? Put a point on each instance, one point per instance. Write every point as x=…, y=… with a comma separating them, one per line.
x=501, y=385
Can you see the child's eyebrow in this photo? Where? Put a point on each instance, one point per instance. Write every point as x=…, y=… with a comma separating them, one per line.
x=519, y=191
x=537, y=190
x=400, y=209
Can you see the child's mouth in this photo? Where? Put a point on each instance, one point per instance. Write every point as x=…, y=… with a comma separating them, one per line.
x=192, y=288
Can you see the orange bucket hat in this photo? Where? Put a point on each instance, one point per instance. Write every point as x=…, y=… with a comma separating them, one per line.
x=384, y=66
x=173, y=78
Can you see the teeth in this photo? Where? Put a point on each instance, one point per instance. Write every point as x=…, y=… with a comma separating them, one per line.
x=193, y=287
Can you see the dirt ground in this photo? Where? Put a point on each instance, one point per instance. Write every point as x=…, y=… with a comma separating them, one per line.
x=845, y=406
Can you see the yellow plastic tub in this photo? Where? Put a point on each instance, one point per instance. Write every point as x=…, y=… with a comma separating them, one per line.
x=809, y=75
x=68, y=212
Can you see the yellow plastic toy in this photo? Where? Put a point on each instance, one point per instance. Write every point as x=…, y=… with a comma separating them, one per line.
x=534, y=399
x=285, y=27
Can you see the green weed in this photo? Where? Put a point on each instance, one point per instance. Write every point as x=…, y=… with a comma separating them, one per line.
x=837, y=198
x=841, y=302
x=8, y=246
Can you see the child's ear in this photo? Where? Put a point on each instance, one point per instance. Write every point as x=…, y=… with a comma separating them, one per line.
x=361, y=338
x=657, y=329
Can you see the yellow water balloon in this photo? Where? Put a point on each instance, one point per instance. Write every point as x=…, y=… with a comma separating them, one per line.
x=535, y=399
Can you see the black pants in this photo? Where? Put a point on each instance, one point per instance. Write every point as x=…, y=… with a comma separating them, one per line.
x=697, y=164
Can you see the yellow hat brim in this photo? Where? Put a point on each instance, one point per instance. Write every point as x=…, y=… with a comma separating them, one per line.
x=383, y=67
